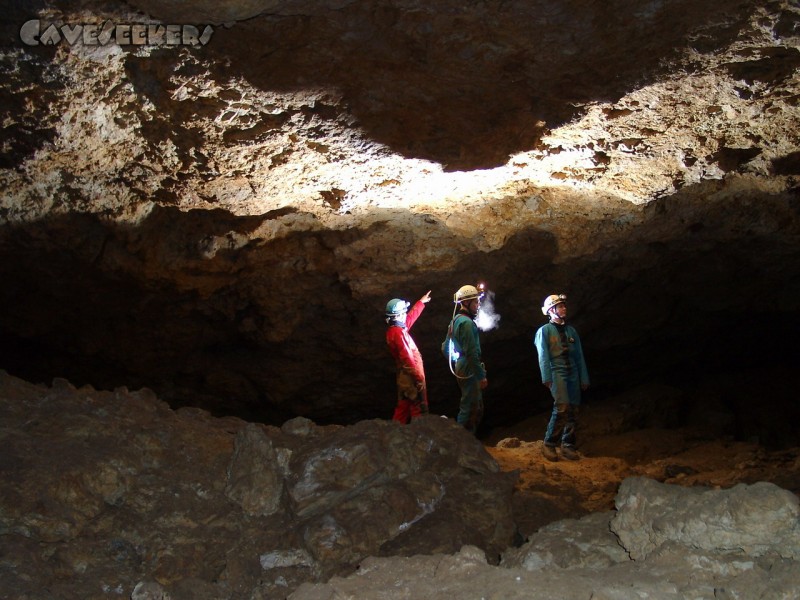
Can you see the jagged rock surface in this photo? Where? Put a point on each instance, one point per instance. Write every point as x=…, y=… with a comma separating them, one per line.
x=599, y=556
x=753, y=520
x=116, y=493
x=105, y=492
x=224, y=224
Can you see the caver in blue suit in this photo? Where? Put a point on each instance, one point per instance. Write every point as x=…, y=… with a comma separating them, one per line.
x=563, y=370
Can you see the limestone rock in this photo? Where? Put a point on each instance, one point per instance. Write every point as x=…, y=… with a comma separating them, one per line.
x=746, y=519
x=224, y=223
x=254, y=477
x=575, y=559
x=569, y=544
x=229, y=206
x=149, y=590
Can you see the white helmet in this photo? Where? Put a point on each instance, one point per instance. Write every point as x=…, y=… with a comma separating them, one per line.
x=551, y=301
x=468, y=292
x=396, y=307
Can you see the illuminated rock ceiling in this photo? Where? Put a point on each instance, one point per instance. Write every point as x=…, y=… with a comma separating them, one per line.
x=225, y=223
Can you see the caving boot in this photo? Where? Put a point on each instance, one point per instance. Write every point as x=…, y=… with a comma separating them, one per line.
x=569, y=453
x=549, y=452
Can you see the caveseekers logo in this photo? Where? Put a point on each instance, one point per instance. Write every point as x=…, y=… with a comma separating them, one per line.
x=100, y=34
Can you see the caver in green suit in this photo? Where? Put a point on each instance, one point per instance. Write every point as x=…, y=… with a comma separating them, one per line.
x=462, y=346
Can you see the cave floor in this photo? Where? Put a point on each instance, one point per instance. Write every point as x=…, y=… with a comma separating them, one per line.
x=549, y=491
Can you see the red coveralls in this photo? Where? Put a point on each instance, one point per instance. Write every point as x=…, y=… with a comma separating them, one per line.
x=411, y=400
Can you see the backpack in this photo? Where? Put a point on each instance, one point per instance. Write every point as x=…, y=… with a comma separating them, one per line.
x=449, y=349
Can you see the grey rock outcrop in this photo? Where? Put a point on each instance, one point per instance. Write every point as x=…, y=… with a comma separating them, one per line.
x=749, y=520
x=606, y=556
x=254, y=477
x=569, y=544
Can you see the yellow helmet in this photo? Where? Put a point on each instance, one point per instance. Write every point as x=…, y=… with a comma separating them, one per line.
x=551, y=301
x=468, y=292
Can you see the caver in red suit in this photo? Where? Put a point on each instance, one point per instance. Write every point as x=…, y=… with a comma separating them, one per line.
x=412, y=394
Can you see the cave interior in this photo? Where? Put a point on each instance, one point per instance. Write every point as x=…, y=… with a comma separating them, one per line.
x=270, y=308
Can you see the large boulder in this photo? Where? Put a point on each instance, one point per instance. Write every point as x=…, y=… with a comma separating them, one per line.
x=115, y=490
x=746, y=519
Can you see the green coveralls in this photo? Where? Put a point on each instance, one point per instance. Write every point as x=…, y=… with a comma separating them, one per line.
x=469, y=370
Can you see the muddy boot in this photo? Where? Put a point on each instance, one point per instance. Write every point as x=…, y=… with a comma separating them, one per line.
x=549, y=452
x=569, y=453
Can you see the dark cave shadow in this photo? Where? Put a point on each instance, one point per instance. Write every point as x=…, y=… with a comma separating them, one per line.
x=107, y=304
x=13, y=14
x=701, y=290
x=175, y=304
x=466, y=86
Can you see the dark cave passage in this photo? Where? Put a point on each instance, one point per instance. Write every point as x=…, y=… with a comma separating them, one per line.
x=244, y=334
x=275, y=314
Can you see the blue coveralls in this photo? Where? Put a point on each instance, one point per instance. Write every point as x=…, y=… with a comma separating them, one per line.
x=561, y=361
x=469, y=370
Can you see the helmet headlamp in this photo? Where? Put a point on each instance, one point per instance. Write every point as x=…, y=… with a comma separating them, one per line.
x=469, y=292
x=551, y=301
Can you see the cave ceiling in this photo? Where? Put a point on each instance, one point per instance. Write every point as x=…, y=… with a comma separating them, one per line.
x=225, y=222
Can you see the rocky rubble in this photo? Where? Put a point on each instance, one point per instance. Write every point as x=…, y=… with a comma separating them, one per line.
x=114, y=494
x=105, y=492
x=600, y=556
